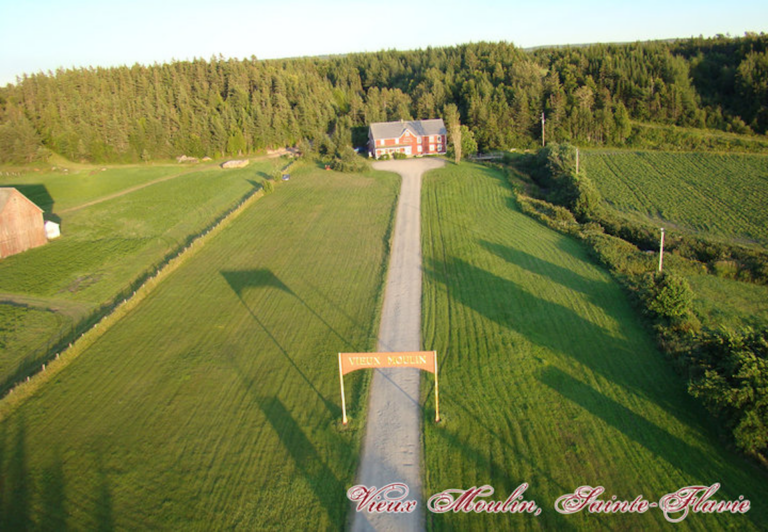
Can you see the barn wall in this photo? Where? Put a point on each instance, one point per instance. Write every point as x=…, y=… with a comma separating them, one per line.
x=21, y=226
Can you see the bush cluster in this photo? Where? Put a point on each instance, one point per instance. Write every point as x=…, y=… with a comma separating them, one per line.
x=346, y=160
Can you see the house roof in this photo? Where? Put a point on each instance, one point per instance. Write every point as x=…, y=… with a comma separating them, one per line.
x=7, y=192
x=392, y=130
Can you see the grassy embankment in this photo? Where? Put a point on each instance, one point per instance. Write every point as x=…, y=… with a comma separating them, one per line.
x=548, y=378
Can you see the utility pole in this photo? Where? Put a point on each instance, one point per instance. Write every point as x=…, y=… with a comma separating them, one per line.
x=543, y=129
x=661, y=250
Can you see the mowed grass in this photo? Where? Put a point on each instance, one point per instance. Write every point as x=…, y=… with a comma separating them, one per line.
x=724, y=195
x=547, y=378
x=56, y=190
x=104, y=247
x=215, y=404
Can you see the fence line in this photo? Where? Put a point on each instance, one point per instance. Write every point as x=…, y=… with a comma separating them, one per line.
x=95, y=325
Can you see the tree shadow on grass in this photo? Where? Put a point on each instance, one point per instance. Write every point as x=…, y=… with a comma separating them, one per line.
x=255, y=184
x=557, y=274
x=541, y=322
x=499, y=478
x=661, y=443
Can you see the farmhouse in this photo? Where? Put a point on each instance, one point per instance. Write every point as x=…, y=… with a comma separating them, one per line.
x=21, y=223
x=411, y=137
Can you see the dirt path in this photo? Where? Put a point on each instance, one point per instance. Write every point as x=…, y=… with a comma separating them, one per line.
x=65, y=307
x=134, y=189
x=392, y=444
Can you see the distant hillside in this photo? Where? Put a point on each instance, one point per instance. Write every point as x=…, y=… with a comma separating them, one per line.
x=590, y=94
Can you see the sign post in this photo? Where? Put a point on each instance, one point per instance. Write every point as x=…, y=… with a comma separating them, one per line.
x=437, y=395
x=425, y=360
x=343, y=401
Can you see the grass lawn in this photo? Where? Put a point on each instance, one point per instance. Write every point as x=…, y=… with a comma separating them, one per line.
x=547, y=377
x=104, y=247
x=215, y=403
x=728, y=303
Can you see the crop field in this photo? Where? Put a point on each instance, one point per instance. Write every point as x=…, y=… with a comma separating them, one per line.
x=104, y=246
x=216, y=402
x=720, y=194
x=547, y=378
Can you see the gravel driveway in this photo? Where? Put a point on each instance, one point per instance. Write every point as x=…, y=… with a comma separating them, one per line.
x=392, y=445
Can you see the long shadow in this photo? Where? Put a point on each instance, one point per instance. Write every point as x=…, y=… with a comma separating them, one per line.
x=500, y=478
x=658, y=441
x=53, y=514
x=540, y=321
x=360, y=326
x=239, y=281
x=255, y=184
x=16, y=486
x=557, y=274
x=104, y=511
x=324, y=483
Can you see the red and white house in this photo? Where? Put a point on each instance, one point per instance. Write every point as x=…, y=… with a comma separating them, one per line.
x=411, y=137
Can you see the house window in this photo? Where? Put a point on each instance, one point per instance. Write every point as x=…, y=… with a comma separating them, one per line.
x=431, y=147
x=439, y=147
x=419, y=149
x=418, y=139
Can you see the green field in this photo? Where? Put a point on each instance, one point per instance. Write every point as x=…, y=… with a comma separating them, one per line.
x=724, y=195
x=215, y=402
x=715, y=195
x=548, y=378
x=105, y=246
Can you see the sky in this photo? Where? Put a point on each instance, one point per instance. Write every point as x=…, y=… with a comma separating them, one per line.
x=44, y=35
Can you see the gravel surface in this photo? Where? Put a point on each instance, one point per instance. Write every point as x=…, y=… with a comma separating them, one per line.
x=392, y=445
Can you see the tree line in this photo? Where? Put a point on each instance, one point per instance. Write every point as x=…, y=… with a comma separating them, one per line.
x=591, y=95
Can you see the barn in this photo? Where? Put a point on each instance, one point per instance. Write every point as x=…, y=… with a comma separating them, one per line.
x=21, y=223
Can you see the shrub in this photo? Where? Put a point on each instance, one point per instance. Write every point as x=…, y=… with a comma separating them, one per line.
x=731, y=377
x=347, y=160
x=617, y=254
x=268, y=186
x=668, y=296
x=398, y=155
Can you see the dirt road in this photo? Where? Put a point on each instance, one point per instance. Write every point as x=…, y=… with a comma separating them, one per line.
x=391, y=448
